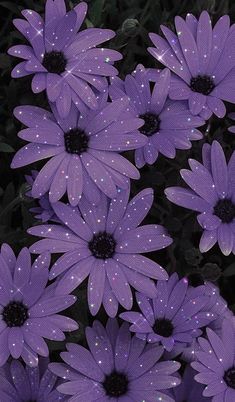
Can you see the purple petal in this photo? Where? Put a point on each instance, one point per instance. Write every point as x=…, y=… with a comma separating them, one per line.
x=122, y=347
x=82, y=360
x=196, y=102
x=208, y=221
x=136, y=211
x=44, y=178
x=119, y=284
x=187, y=198
x=53, y=86
x=225, y=239
x=143, y=265
x=75, y=180
x=208, y=240
x=142, y=240
x=59, y=183
x=219, y=169
x=91, y=38
x=75, y=276
x=117, y=209
x=204, y=41
x=99, y=175
x=96, y=286
x=15, y=342
x=72, y=218
x=34, y=152
x=160, y=91
x=188, y=45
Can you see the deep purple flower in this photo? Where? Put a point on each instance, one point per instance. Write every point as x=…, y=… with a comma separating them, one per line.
x=64, y=62
x=28, y=384
x=44, y=212
x=216, y=364
x=167, y=125
x=189, y=390
x=202, y=62
x=171, y=317
x=212, y=194
x=83, y=150
x=118, y=367
x=104, y=242
x=28, y=309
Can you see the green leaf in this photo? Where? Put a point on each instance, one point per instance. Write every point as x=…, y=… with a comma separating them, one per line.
x=5, y=148
x=230, y=270
x=95, y=11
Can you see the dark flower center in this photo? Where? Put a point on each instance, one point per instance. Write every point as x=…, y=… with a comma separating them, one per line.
x=76, y=141
x=203, y=84
x=163, y=327
x=225, y=210
x=54, y=62
x=15, y=314
x=195, y=279
x=116, y=384
x=151, y=124
x=102, y=245
x=229, y=377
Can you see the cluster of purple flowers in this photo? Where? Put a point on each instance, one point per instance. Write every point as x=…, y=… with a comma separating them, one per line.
x=88, y=218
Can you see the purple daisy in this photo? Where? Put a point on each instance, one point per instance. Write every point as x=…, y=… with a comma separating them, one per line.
x=202, y=62
x=171, y=318
x=44, y=212
x=24, y=384
x=104, y=242
x=216, y=364
x=65, y=63
x=189, y=390
x=117, y=367
x=28, y=309
x=212, y=194
x=83, y=150
x=167, y=125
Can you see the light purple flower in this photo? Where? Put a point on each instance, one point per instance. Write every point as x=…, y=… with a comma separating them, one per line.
x=189, y=390
x=117, y=368
x=28, y=308
x=212, y=194
x=44, y=212
x=216, y=364
x=171, y=317
x=104, y=243
x=168, y=125
x=202, y=62
x=24, y=384
x=83, y=150
x=65, y=63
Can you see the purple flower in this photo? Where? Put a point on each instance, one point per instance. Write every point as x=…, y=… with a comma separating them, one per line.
x=44, y=212
x=19, y=383
x=65, y=63
x=170, y=317
x=215, y=305
x=212, y=194
x=216, y=364
x=189, y=390
x=118, y=367
x=202, y=62
x=28, y=309
x=83, y=150
x=167, y=125
x=104, y=242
